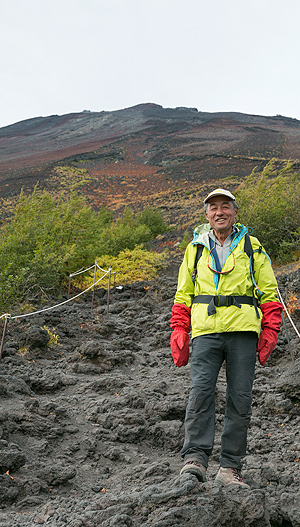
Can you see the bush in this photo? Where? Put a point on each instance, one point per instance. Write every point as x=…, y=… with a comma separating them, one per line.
x=124, y=233
x=269, y=203
x=49, y=238
x=185, y=241
x=152, y=219
x=46, y=239
x=129, y=266
x=128, y=231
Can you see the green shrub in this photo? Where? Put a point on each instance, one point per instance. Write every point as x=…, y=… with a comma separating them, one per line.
x=128, y=231
x=129, y=266
x=152, y=219
x=185, y=240
x=122, y=234
x=269, y=203
x=49, y=238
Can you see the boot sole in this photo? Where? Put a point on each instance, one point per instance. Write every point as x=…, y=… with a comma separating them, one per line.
x=231, y=483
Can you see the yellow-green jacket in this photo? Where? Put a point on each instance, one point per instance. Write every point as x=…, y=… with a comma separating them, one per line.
x=238, y=281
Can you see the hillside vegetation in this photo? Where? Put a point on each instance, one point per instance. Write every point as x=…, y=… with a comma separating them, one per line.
x=269, y=203
x=50, y=237
x=139, y=155
x=92, y=409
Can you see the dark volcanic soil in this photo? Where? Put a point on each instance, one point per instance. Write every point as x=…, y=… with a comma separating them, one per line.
x=91, y=429
x=129, y=156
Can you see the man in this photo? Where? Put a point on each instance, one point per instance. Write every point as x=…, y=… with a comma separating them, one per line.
x=229, y=299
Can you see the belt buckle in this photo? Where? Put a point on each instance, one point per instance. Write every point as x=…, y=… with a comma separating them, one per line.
x=223, y=300
x=216, y=300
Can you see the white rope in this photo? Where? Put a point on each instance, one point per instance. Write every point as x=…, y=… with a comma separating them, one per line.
x=84, y=270
x=7, y=315
x=100, y=268
x=288, y=315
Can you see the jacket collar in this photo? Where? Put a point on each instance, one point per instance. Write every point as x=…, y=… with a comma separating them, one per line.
x=201, y=234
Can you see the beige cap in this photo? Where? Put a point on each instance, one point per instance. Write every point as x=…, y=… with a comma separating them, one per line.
x=219, y=192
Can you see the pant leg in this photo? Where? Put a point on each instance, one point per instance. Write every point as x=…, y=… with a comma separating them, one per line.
x=206, y=360
x=240, y=366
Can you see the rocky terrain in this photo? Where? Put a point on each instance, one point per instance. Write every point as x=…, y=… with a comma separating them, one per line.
x=140, y=154
x=91, y=421
x=92, y=407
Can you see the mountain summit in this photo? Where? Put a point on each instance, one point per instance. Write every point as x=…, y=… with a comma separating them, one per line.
x=140, y=150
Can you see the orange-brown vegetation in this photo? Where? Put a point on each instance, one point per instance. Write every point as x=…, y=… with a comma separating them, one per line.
x=145, y=155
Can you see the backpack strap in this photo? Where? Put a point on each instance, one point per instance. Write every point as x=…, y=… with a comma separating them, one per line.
x=198, y=256
x=248, y=246
x=249, y=251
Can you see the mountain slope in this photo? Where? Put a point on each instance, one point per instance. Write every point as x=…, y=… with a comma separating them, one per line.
x=134, y=155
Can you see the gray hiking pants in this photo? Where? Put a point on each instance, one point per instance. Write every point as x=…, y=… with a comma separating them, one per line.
x=238, y=350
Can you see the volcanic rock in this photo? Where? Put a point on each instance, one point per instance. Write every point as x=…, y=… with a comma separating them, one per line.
x=91, y=429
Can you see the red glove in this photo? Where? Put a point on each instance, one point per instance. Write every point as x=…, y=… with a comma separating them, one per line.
x=180, y=347
x=181, y=325
x=270, y=326
x=266, y=343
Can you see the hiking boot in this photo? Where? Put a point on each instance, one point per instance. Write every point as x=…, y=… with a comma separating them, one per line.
x=229, y=476
x=194, y=467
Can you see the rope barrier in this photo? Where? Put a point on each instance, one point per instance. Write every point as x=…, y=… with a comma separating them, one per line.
x=100, y=268
x=65, y=301
x=95, y=266
x=288, y=315
x=80, y=271
x=7, y=315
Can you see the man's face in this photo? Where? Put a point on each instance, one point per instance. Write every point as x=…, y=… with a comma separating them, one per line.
x=221, y=214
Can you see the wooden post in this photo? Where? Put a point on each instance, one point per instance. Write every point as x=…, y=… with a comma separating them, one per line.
x=3, y=336
x=70, y=277
x=109, y=275
x=95, y=272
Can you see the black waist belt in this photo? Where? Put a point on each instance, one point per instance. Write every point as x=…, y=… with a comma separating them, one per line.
x=222, y=300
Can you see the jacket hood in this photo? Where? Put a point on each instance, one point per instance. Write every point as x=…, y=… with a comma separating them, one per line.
x=201, y=234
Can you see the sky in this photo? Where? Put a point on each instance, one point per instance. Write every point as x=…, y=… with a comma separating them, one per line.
x=64, y=56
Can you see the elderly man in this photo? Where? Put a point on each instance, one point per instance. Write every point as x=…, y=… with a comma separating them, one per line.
x=229, y=299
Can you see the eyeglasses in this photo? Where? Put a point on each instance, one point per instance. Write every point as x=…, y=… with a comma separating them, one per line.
x=220, y=272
